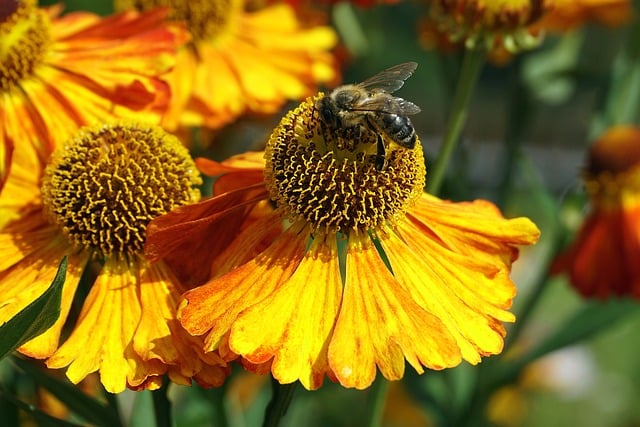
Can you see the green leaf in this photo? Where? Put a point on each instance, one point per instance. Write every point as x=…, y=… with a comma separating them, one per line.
x=38, y=415
x=35, y=318
x=78, y=402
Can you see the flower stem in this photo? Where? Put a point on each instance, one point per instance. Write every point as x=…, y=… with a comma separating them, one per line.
x=162, y=406
x=280, y=400
x=471, y=66
x=376, y=401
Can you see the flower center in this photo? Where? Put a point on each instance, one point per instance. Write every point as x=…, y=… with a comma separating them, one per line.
x=24, y=40
x=333, y=180
x=613, y=168
x=205, y=19
x=104, y=186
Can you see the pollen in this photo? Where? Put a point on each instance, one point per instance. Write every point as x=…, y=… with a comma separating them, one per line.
x=205, y=19
x=107, y=183
x=332, y=182
x=24, y=41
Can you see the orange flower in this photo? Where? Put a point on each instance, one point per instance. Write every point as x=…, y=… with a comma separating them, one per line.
x=569, y=14
x=490, y=24
x=59, y=73
x=603, y=260
x=93, y=203
x=240, y=61
x=365, y=272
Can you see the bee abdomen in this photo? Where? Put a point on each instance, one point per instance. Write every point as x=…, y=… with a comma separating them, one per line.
x=399, y=128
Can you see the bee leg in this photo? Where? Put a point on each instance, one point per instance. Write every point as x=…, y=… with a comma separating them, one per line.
x=381, y=158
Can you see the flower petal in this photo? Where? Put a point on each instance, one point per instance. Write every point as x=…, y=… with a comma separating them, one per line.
x=380, y=324
x=102, y=337
x=160, y=336
x=213, y=307
x=446, y=291
x=293, y=324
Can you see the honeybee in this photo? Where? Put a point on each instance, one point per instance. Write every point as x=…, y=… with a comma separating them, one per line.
x=369, y=107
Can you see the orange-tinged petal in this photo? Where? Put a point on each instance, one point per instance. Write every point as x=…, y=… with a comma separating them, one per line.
x=431, y=282
x=160, y=336
x=102, y=338
x=293, y=324
x=380, y=324
x=475, y=228
x=177, y=236
x=478, y=278
x=213, y=307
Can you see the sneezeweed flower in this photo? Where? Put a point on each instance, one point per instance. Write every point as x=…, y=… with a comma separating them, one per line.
x=602, y=262
x=366, y=271
x=569, y=14
x=60, y=73
x=241, y=62
x=490, y=24
x=93, y=203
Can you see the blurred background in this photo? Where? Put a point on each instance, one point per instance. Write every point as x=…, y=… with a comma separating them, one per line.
x=549, y=103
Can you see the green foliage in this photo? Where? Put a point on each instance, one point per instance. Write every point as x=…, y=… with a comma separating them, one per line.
x=35, y=318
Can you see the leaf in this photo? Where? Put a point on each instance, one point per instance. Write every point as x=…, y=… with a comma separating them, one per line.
x=35, y=318
x=78, y=402
x=38, y=415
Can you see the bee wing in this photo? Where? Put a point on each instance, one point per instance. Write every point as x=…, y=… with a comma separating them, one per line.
x=388, y=104
x=391, y=79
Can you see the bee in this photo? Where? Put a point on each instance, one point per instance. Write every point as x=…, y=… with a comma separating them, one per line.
x=369, y=107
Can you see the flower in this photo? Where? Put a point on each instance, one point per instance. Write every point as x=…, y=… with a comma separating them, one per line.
x=602, y=261
x=490, y=24
x=93, y=203
x=58, y=73
x=241, y=62
x=568, y=14
x=365, y=271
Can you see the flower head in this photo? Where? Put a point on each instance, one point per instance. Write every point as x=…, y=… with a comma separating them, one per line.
x=241, y=62
x=58, y=73
x=568, y=14
x=365, y=272
x=602, y=261
x=491, y=24
x=93, y=203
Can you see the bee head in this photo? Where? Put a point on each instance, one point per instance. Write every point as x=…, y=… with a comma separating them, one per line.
x=328, y=111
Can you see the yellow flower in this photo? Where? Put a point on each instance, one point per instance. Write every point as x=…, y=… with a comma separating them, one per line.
x=490, y=24
x=240, y=61
x=603, y=260
x=366, y=271
x=60, y=73
x=93, y=203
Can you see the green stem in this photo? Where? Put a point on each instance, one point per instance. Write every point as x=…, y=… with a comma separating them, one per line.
x=471, y=66
x=280, y=400
x=162, y=406
x=376, y=402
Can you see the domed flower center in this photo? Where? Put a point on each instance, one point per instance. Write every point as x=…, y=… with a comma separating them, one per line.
x=613, y=169
x=205, y=19
x=334, y=180
x=104, y=186
x=24, y=40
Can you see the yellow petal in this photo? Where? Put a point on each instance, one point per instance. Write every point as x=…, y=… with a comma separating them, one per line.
x=443, y=290
x=380, y=324
x=293, y=324
x=102, y=337
x=213, y=307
